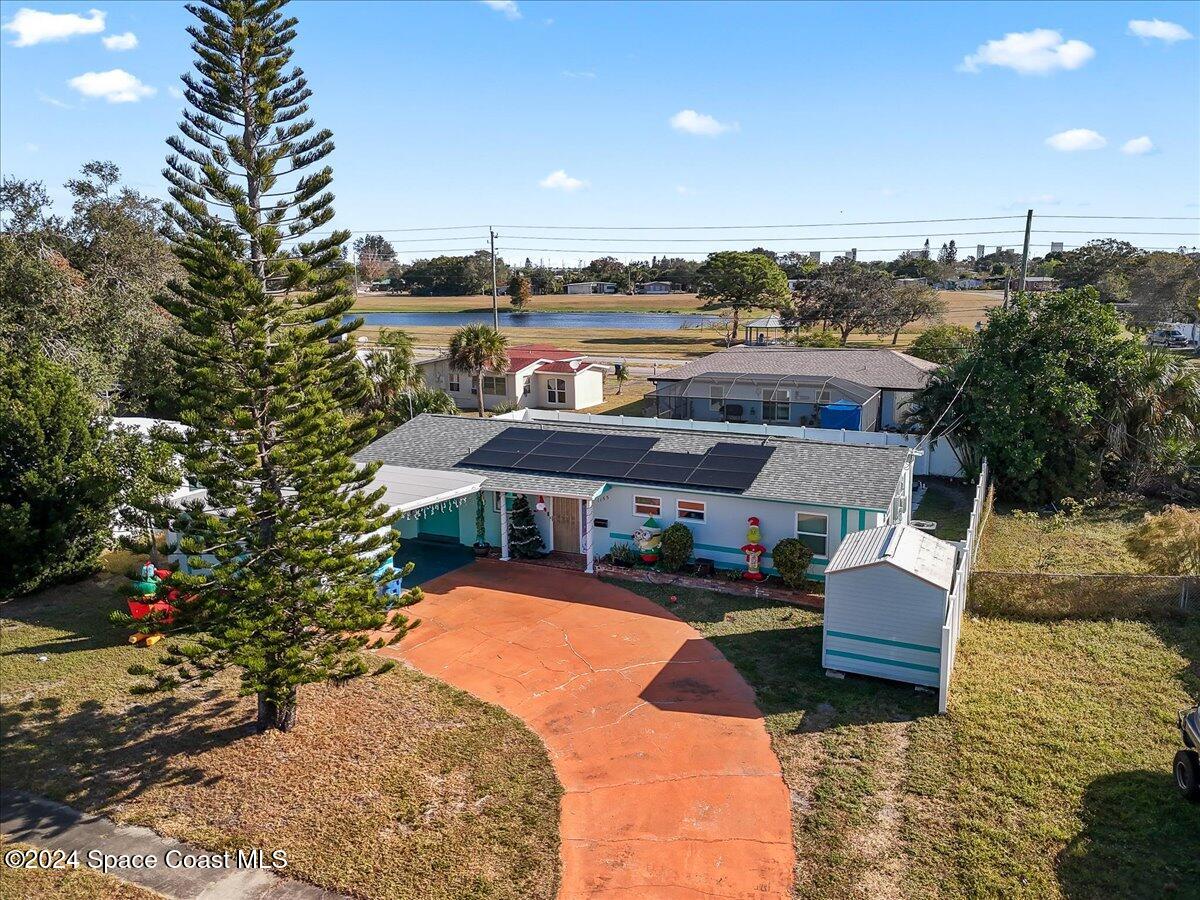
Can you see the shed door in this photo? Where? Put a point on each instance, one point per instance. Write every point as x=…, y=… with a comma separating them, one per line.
x=566, y=524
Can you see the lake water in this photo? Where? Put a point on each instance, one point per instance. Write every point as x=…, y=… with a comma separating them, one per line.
x=509, y=319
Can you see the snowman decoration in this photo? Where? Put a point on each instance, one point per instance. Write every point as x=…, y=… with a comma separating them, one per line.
x=754, y=550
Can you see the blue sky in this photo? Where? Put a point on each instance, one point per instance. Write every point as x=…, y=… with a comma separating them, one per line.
x=461, y=113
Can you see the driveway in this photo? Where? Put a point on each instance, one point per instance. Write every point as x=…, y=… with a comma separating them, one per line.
x=671, y=787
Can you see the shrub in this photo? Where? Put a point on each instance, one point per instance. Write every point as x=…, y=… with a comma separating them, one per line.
x=815, y=339
x=623, y=554
x=676, y=547
x=791, y=557
x=943, y=344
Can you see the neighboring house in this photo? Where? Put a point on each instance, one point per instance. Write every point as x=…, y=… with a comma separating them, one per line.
x=186, y=492
x=1040, y=283
x=592, y=486
x=653, y=287
x=592, y=287
x=857, y=389
x=538, y=375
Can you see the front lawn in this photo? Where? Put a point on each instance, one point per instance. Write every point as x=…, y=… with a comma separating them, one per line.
x=65, y=884
x=390, y=787
x=1050, y=777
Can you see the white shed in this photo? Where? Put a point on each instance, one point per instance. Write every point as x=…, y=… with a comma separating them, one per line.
x=886, y=595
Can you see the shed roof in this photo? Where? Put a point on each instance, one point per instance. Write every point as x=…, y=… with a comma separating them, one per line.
x=876, y=368
x=801, y=471
x=899, y=546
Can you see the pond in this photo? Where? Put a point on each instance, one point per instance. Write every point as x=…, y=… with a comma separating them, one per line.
x=509, y=319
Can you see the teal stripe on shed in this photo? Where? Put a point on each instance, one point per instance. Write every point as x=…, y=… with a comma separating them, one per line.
x=844, y=520
x=847, y=636
x=862, y=520
x=882, y=662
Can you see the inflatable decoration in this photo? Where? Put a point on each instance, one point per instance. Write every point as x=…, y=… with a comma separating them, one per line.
x=648, y=539
x=754, y=550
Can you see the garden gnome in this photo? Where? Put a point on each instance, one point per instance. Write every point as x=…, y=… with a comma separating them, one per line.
x=754, y=550
x=647, y=539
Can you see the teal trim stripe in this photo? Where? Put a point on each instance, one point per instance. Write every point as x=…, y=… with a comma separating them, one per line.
x=882, y=662
x=844, y=514
x=847, y=636
x=619, y=536
x=862, y=520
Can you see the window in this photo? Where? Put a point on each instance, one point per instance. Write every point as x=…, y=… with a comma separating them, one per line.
x=455, y=384
x=716, y=397
x=692, y=510
x=494, y=384
x=525, y=387
x=813, y=530
x=556, y=390
x=775, y=406
x=647, y=506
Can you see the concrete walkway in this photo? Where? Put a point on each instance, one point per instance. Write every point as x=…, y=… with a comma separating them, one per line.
x=671, y=787
x=46, y=824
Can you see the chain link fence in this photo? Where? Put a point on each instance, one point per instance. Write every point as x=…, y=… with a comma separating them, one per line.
x=1050, y=596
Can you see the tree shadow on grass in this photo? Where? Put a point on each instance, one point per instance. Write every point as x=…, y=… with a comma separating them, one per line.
x=1139, y=839
x=95, y=755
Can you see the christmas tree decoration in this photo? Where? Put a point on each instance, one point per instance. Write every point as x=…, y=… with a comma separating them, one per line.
x=524, y=539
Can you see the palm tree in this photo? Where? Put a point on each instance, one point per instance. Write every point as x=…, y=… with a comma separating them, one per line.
x=416, y=401
x=1156, y=416
x=474, y=348
x=391, y=369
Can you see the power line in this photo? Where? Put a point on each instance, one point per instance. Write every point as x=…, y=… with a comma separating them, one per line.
x=673, y=252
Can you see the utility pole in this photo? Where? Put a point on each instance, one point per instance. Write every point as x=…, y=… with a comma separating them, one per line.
x=495, y=295
x=354, y=260
x=1025, y=252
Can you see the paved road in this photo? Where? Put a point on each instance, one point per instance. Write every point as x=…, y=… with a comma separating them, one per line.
x=671, y=788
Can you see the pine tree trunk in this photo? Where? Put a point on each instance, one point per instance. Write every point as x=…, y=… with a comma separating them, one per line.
x=275, y=715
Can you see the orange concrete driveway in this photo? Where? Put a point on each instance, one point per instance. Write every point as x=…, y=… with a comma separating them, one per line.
x=671, y=787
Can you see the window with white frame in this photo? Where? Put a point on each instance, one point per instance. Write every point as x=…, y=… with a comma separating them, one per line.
x=647, y=506
x=455, y=383
x=691, y=510
x=494, y=384
x=775, y=405
x=556, y=390
x=525, y=386
x=813, y=530
x=716, y=397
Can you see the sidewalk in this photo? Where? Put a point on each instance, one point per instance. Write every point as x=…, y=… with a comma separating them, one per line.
x=49, y=825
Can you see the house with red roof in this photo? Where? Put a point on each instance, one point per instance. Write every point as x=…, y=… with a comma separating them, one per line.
x=539, y=376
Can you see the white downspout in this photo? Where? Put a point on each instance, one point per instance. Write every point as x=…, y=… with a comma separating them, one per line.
x=504, y=526
x=589, y=566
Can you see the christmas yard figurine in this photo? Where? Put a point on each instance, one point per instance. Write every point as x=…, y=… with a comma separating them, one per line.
x=754, y=550
x=648, y=539
x=524, y=539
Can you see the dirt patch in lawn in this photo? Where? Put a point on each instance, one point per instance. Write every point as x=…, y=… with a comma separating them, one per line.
x=390, y=787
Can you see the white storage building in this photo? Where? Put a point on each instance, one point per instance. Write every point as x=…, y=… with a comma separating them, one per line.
x=886, y=595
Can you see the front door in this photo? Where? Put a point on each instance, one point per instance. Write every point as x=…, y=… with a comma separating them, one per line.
x=566, y=524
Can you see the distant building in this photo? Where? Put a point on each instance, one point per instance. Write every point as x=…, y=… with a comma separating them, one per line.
x=980, y=251
x=814, y=255
x=653, y=287
x=592, y=287
x=1040, y=283
x=1056, y=246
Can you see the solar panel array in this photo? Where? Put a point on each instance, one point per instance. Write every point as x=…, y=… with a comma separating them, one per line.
x=724, y=466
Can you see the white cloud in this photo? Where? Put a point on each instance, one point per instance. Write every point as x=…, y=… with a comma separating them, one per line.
x=53, y=101
x=508, y=7
x=1159, y=30
x=32, y=148
x=175, y=92
x=1076, y=139
x=693, y=122
x=582, y=76
x=1137, y=146
x=126, y=41
x=1036, y=52
x=115, y=86
x=32, y=26
x=888, y=192
x=684, y=191
x=561, y=181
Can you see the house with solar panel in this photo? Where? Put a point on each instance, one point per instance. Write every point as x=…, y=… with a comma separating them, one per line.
x=592, y=482
x=539, y=376
x=856, y=389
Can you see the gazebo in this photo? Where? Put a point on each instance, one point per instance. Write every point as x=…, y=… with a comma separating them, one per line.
x=766, y=330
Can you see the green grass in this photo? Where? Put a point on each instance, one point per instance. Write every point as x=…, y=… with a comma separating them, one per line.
x=1050, y=776
x=1090, y=540
x=949, y=504
x=396, y=786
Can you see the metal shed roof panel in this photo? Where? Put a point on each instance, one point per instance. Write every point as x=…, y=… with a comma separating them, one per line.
x=900, y=546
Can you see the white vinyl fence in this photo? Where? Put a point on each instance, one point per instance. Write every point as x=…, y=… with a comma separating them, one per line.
x=958, y=589
x=937, y=457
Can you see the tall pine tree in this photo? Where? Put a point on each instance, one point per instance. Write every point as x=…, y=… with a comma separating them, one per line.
x=287, y=593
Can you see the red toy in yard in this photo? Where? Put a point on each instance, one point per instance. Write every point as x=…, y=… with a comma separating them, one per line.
x=149, y=583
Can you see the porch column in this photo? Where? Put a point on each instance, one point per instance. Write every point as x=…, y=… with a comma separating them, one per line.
x=589, y=566
x=504, y=526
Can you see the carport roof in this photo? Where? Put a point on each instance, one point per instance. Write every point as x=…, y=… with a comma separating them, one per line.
x=406, y=488
x=800, y=471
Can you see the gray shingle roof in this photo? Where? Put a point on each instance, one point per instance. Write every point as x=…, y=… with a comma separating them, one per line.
x=798, y=470
x=875, y=368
